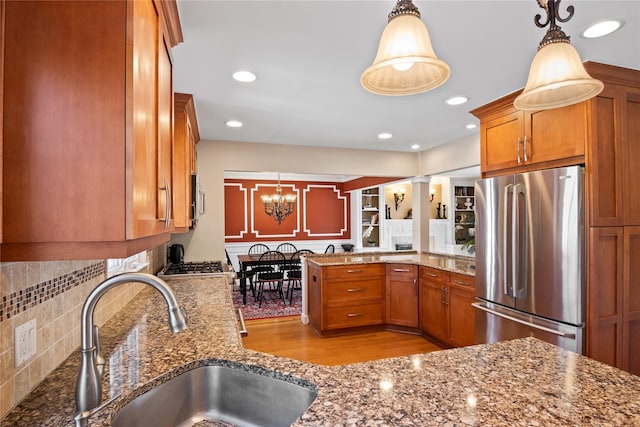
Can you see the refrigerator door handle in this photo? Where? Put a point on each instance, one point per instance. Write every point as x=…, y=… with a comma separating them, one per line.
x=518, y=236
x=482, y=307
x=506, y=243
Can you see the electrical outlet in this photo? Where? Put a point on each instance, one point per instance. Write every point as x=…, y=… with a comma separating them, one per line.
x=25, y=341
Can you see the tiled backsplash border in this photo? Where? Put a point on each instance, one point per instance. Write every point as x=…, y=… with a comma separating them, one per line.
x=24, y=299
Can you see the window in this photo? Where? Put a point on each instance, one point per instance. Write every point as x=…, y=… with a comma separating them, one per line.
x=121, y=265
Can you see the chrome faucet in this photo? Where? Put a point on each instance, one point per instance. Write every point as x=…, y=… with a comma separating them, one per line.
x=88, y=386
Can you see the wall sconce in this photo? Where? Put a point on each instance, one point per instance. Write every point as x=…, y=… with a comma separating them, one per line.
x=432, y=193
x=398, y=198
x=557, y=77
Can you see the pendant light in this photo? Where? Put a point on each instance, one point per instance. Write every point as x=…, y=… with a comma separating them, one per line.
x=405, y=63
x=557, y=77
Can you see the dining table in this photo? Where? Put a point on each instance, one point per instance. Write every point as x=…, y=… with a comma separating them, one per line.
x=247, y=262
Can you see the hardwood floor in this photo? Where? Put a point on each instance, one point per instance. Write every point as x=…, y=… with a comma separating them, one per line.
x=288, y=337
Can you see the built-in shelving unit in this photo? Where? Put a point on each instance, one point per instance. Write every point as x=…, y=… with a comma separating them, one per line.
x=464, y=218
x=370, y=217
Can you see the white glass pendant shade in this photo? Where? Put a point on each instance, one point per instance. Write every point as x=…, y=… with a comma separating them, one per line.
x=405, y=63
x=557, y=78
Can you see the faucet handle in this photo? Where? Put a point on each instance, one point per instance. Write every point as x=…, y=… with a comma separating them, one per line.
x=100, y=362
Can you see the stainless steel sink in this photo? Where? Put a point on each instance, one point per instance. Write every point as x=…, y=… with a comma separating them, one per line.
x=230, y=393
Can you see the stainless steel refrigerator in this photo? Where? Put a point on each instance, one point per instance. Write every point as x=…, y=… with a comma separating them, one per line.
x=530, y=257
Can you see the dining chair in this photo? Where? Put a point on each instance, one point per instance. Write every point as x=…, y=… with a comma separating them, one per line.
x=257, y=250
x=294, y=275
x=286, y=248
x=330, y=249
x=246, y=276
x=275, y=276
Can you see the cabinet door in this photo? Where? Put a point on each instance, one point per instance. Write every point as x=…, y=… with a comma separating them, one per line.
x=604, y=176
x=630, y=155
x=604, y=299
x=631, y=301
x=165, y=133
x=433, y=319
x=500, y=142
x=146, y=27
x=461, y=316
x=555, y=134
x=402, y=295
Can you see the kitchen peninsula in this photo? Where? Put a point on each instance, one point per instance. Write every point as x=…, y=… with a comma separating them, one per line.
x=521, y=382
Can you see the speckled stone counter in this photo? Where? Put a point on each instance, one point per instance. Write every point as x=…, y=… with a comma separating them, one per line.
x=516, y=383
x=456, y=264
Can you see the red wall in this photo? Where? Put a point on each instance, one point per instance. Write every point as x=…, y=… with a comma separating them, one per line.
x=321, y=212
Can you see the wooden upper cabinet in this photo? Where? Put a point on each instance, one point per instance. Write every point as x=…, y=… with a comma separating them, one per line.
x=87, y=138
x=185, y=138
x=613, y=149
x=513, y=140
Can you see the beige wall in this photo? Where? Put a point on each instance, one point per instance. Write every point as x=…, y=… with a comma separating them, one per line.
x=459, y=154
x=63, y=286
x=206, y=242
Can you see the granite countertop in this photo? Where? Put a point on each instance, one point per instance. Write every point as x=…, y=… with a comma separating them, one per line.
x=456, y=264
x=520, y=382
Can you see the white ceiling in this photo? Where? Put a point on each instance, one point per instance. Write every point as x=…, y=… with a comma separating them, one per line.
x=309, y=55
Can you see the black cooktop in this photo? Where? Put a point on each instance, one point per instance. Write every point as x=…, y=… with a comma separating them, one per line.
x=201, y=267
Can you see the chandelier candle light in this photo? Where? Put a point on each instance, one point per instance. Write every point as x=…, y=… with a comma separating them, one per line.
x=278, y=206
x=557, y=77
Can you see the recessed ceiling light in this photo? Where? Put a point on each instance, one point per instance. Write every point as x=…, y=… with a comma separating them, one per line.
x=385, y=135
x=457, y=100
x=471, y=126
x=244, y=76
x=234, y=124
x=415, y=146
x=602, y=28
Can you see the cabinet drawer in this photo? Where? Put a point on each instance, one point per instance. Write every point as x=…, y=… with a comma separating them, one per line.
x=462, y=282
x=401, y=271
x=355, y=315
x=353, y=290
x=433, y=274
x=353, y=271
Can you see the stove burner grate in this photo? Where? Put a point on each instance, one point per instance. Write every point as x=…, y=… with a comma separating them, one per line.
x=205, y=267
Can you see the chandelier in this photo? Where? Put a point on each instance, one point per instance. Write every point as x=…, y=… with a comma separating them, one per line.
x=557, y=77
x=278, y=206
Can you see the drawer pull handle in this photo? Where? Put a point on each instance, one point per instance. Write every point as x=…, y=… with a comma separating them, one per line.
x=458, y=282
x=354, y=290
x=354, y=271
x=401, y=270
x=432, y=275
x=354, y=314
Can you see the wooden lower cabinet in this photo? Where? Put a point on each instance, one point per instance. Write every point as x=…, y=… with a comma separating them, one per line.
x=445, y=306
x=402, y=295
x=613, y=301
x=345, y=296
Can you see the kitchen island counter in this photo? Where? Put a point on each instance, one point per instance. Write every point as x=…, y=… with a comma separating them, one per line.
x=521, y=382
x=455, y=264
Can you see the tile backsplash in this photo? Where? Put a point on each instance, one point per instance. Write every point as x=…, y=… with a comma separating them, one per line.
x=52, y=293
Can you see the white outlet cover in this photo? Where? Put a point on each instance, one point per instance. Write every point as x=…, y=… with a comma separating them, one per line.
x=25, y=341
